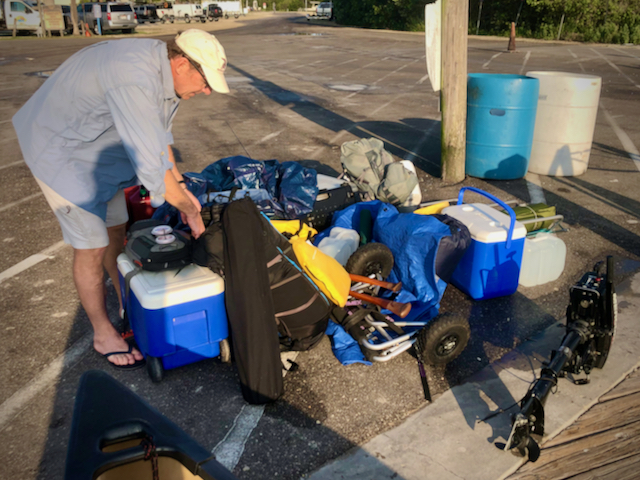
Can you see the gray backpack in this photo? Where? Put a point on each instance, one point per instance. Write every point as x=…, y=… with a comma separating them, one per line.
x=372, y=169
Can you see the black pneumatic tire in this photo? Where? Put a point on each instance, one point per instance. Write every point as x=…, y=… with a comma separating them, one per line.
x=155, y=369
x=187, y=19
x=443, y=339
x=372, y=258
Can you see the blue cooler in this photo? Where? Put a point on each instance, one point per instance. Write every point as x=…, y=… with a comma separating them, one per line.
x=491, y=265
x=177, y=316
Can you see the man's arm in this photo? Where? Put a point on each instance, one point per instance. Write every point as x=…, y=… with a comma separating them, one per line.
x=179, y=198
x=178, y=176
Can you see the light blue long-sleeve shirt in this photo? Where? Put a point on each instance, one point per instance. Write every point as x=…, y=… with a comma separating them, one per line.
x=102, y=119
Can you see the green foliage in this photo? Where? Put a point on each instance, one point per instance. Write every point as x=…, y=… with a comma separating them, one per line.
x=390, y=14
x=607, y=21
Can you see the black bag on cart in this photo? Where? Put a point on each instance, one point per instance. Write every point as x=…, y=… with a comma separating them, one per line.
x=301, y=309
x=249, y=304
x=330, y=201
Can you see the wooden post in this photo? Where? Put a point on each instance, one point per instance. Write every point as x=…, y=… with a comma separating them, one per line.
x=455, y=26
x=15, y=27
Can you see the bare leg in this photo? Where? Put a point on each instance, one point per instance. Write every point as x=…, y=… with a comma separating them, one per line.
x=88, y=275
x=116, y=242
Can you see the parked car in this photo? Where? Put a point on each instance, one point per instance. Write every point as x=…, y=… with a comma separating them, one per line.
x=146, y=13
x=325, y=9
x=214, y=12
x=115, y=16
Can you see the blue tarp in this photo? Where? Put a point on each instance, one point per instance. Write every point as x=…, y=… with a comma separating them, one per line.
x=413, y=240
x=281, y=190
x=344, y=347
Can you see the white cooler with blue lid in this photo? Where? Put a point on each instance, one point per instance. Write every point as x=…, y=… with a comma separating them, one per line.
x=176, y=315
x=491, y=265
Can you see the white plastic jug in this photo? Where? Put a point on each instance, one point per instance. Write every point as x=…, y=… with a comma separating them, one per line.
x=543, y=259
x=340, y=244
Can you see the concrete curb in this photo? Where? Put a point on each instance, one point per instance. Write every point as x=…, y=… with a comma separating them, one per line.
x=448, y=440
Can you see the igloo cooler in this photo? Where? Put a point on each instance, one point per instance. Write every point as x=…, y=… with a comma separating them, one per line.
x=177, y=316
x=491, y=265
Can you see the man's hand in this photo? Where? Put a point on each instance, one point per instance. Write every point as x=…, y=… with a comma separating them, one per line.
x=195, y=223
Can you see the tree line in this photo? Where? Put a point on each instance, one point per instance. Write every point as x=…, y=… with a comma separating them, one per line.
x=603, y=21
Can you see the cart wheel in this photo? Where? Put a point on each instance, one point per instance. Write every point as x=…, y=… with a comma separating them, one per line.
x=225, y=351
x=155, y=368
x=372, y=258
x=443, y=339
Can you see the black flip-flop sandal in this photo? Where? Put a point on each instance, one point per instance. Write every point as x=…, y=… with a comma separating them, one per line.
x=129, y=366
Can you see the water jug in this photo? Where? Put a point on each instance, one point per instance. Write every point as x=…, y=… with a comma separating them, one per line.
x=542, y=260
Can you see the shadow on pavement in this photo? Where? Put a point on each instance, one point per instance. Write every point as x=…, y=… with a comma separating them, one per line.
x=204, y=400
x=400, y=138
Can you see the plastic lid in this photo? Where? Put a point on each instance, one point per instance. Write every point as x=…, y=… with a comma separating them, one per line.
x=486, y=224
x=156, y=290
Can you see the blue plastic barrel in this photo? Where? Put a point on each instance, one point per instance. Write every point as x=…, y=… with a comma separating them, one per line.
x=501, y=115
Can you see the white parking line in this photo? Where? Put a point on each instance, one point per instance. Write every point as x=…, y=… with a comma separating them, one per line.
x=365, y=66
x=626, y=142
x=13, y=164
x=423, y=79
x=526, y=59
x=383, y=77
x=625, y=52
x=534, y=186
x=231, y=447
x=615, y=67
x=14, y=404
x=30, y=261
x=18, y=202
x=486, y=65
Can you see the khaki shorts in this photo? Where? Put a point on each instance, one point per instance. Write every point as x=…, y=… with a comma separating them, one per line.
x=81, y=229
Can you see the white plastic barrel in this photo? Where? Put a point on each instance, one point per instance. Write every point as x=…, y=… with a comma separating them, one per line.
x=565, y=121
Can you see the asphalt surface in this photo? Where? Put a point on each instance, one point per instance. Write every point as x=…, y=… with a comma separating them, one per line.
x=299, y=90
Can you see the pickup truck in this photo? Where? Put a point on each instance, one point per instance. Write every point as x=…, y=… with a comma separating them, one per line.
x=25, y=16
x=169, y=12
x=324, y=11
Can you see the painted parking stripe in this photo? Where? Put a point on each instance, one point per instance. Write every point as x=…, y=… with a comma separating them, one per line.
x=524, y=63
x=18, y=202
x=534, y=186
x=13, y=164
x=231, y=447
x=486, y=65
x=615, y=67
x=31, y=261
x=626, y=142
x=47, y=377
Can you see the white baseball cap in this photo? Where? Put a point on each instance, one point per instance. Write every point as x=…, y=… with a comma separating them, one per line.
x=204, y=48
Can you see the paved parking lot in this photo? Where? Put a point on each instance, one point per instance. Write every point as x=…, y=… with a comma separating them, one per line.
x=299, y=90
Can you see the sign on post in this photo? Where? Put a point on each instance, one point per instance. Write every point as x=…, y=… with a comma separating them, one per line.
x=53, y=19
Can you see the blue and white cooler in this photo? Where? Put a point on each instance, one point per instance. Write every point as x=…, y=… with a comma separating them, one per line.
x=491, y=265
x=177, y=316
